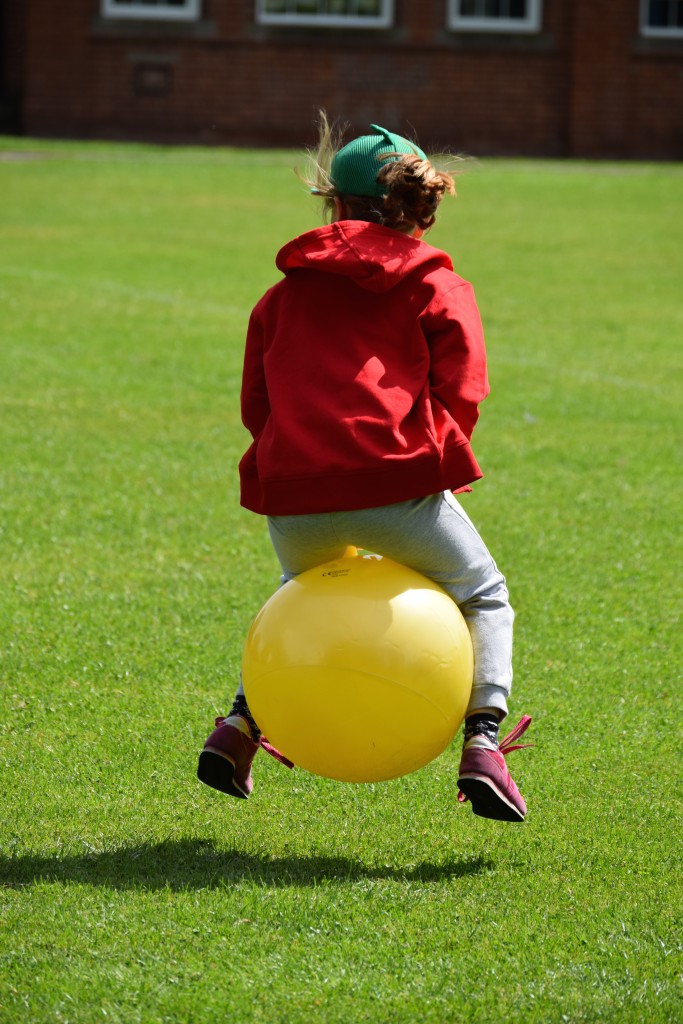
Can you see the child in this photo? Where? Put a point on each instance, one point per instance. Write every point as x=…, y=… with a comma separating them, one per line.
x=363, y=372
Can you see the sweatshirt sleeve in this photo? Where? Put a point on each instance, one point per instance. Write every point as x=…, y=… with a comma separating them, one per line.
x=254, y=395
x=458, y=374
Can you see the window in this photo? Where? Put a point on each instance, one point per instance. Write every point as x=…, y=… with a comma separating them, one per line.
x=495, y=15
x=662, y=18
x=330, y=13
x=157, y=10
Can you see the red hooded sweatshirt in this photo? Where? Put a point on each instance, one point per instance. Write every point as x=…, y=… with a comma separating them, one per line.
x=363, y=372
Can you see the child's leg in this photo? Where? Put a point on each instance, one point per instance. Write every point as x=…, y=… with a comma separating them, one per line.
x=480, y=591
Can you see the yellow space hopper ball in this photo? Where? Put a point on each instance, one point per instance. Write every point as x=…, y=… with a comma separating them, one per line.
x=359, y=669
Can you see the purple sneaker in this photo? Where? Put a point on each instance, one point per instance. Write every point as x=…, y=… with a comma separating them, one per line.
x=484, y=779
x=226, y=760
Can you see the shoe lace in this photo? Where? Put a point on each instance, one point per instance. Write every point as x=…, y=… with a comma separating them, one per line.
x=274, y=752
x=268, y=747
x=507, y=745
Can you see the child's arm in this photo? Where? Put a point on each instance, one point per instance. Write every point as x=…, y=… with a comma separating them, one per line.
x=254, y=394
x=458, y=375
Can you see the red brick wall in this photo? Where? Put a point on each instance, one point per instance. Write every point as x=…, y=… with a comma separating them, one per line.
x=586, y=84
x=627, y=91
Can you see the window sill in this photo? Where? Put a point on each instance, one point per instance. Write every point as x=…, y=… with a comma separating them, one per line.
x=534, y=42
x=139, y=28
x=321, y=35
x=658, y=46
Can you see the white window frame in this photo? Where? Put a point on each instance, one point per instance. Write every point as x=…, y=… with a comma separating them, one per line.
x=384, y=20
x=464, y=23
x=161, y=11
x=657, y=31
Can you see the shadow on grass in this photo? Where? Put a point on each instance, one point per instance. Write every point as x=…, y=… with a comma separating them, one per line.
x=197, y=864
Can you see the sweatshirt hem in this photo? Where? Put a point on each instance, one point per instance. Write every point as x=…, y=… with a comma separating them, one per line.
x=368, y=488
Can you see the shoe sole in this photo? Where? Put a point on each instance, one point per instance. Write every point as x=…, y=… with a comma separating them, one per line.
x=487, y=800
x=217, y=770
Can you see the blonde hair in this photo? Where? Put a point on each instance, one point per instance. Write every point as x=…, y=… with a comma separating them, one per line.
x=413, y=186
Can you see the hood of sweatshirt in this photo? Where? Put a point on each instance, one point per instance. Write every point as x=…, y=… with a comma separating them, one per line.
x=375, y=257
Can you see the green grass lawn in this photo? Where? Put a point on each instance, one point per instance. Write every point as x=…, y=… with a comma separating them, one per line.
x=129, y=576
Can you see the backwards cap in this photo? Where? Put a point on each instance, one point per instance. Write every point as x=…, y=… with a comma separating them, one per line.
x=355, y=167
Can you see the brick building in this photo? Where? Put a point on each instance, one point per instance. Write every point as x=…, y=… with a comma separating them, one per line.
x=540, y=77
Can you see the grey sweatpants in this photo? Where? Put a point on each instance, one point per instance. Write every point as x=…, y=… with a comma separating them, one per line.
x=434, y=536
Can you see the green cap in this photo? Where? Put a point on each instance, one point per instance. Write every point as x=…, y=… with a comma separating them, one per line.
x=355, y=167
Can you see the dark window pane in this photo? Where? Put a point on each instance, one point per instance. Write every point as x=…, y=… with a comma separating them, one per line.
x=369, y=8
x=658, y=13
